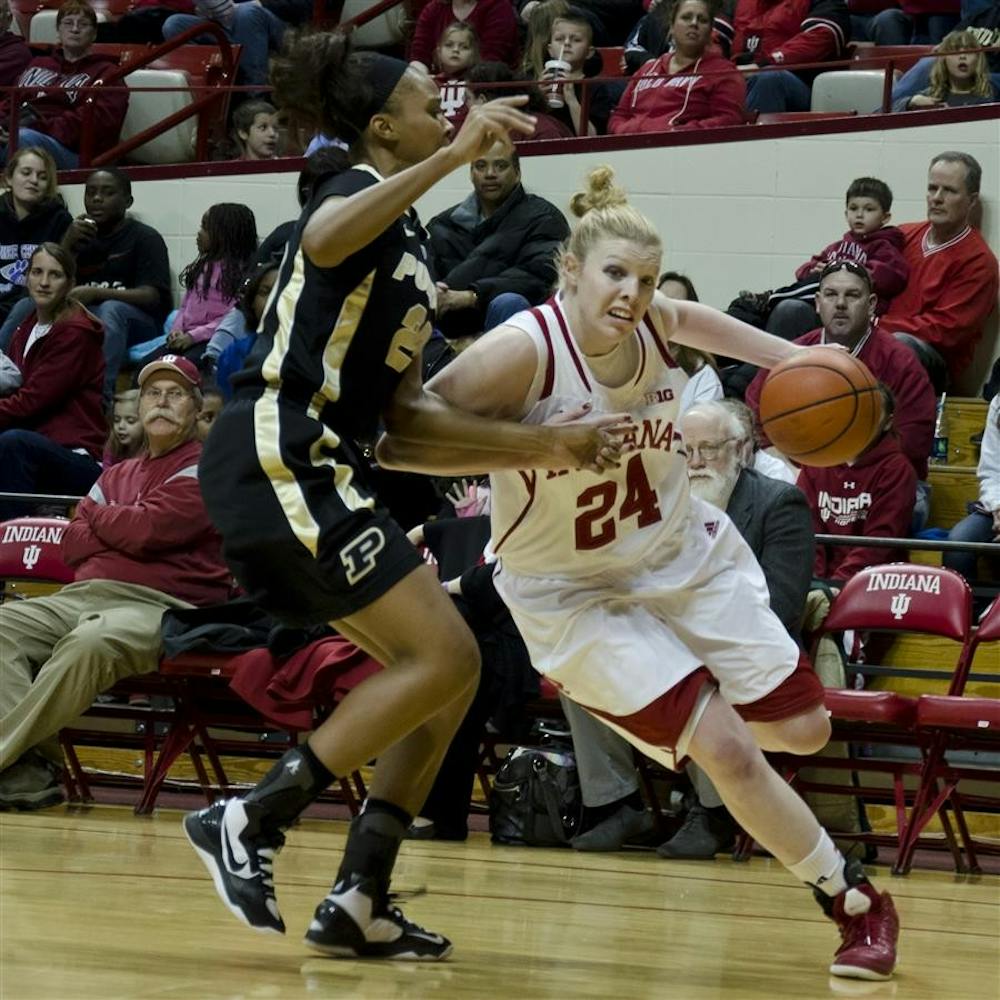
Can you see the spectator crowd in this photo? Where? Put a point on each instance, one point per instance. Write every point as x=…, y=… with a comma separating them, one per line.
x=682, y=64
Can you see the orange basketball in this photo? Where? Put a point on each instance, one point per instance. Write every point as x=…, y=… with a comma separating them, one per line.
x=821, y=407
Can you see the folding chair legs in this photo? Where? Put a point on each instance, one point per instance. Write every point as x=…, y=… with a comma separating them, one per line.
x=178, y=740
x=74, y=778
x=963, y=829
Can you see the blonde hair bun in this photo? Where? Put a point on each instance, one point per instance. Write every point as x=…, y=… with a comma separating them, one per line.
x=602, y=192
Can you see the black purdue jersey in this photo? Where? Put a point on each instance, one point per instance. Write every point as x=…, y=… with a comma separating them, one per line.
x=339, y=339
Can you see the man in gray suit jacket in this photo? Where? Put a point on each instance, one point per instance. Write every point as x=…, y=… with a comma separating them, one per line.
x=773, y=517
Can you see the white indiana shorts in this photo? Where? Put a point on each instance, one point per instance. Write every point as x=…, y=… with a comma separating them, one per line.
x=617, y=641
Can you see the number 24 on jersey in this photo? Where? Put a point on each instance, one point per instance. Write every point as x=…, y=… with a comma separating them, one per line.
x=596, y=524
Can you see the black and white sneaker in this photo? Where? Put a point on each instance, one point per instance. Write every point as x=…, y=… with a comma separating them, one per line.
x=348, y=924
x=240, y=860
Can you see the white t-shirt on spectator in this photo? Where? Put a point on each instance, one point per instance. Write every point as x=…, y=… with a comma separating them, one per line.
x=771, y=465
x=38, y=331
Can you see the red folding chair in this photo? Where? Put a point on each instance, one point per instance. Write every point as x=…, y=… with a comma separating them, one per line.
x=893, y=598
x=31, y=561
x=957, y=724
x=210, y=719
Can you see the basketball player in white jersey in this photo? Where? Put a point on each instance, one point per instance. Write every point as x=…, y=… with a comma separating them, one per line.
x=642, y=603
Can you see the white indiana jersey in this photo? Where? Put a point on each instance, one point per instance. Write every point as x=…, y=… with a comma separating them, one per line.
x=574, y=523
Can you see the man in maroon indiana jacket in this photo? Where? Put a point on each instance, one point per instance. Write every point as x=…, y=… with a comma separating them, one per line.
x=871, y=496
x=54, y=119
x=846, y=306
x=141, y=543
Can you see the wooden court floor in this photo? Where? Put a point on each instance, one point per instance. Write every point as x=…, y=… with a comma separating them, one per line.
x=97, y=904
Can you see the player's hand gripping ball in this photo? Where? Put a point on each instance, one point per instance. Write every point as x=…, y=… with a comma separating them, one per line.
x=821, y=407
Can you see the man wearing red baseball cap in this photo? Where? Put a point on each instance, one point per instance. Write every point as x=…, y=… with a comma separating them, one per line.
x=141, y=542
x=176, y=365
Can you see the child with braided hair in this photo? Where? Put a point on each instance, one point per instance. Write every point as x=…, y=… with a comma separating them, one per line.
x=227, y=242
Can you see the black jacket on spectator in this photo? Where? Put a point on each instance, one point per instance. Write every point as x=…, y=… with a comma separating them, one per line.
x=774, y=519
x=133, y=255
x=511, y=251
x=18, y=239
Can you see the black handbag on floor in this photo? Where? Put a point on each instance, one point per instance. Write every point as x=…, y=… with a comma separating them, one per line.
x=536, y=799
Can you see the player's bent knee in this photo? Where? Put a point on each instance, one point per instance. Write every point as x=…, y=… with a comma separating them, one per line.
x=455, y=663
x=802, y=734
x=808, y=734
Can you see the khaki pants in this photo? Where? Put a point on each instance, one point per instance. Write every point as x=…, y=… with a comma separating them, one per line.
x=58, y=652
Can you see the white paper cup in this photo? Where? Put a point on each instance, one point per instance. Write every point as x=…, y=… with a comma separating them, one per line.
x=553, y=93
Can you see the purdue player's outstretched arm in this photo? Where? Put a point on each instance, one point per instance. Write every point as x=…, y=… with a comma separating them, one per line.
x=467, y=419
x=696, y=325
x=340, y=227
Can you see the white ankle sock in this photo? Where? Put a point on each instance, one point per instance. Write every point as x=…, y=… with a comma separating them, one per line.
x=823, y=868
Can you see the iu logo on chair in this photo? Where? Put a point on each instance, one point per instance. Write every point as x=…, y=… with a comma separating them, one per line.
x=899, y=605
x=32, y=553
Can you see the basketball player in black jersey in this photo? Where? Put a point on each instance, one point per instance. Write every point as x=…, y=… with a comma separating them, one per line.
x=284, y=481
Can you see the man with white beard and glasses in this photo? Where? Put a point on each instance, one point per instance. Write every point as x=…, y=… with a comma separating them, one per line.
x=773, y=518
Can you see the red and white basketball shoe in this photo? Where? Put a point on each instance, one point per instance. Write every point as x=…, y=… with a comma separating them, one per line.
x=868, y=924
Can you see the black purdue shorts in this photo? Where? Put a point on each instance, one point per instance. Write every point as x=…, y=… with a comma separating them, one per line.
x=301, y=532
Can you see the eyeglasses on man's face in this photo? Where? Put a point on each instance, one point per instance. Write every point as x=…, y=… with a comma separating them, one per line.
x=708, y=450
x=172, y=395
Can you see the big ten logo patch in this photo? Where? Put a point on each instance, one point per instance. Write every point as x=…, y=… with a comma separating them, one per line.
x=358, y=556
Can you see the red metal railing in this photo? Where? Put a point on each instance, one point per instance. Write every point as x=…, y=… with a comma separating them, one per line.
x=215, y=99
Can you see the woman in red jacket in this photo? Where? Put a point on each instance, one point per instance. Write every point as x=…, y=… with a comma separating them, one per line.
x=691, y=86
x=52, y=428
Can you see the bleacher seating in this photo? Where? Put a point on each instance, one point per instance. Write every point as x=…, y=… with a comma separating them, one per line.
x=859, y=91
x=903, y=56
x=954, y=484
x=196, y=70
x=145, y=109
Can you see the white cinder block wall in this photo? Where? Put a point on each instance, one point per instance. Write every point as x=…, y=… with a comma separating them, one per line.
x=733, y=215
